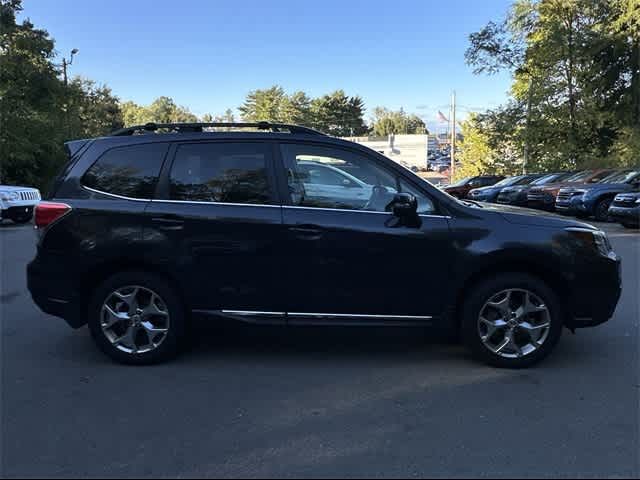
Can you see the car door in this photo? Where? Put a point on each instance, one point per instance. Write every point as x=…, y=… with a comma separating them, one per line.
x=349, y=262
x=216, y=224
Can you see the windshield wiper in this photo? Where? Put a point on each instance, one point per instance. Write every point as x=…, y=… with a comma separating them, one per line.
x=472, y=203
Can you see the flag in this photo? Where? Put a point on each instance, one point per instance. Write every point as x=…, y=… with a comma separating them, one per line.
x=441, y=117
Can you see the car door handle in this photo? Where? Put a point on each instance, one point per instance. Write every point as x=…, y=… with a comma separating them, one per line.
x=307, y=232
x=169, y=223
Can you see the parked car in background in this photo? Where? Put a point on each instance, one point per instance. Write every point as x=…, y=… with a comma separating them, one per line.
x=461, y=188
x=439, y=163
x=594, y=200
x=625, y=209
x=145, y=231
x=17, y=203
x=326, y=181
x=544, y=197
x=490, y=194
x=517, y=194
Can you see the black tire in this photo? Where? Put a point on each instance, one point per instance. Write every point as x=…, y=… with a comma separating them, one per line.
x=175, y=336
x=483, y=292
x=601, y=210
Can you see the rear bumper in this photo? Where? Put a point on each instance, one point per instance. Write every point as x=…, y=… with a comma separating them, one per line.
x=56, y=297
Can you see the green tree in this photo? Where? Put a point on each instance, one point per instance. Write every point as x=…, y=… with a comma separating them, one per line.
x=30, y=101
x=576, y=81
x=298, y=109
x=265, y=105
x=386, y=122
x=92, y=110
x=338, y=114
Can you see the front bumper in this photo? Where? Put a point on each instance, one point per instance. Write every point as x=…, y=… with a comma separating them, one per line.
x=626, y=214
x=541, y=201
x=573, y=206
x=15, y=211
x=595, y=292
x=517, y=201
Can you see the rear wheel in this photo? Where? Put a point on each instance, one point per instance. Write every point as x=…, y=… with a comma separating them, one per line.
x=511, y=321
x=601, y=211
x=137, y=318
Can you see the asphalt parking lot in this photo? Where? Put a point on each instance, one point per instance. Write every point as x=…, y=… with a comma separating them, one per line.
x=292, y=403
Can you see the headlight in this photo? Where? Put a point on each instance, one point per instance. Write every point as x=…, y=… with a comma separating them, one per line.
x=592, y=239
x=578, y=192
x=9, y=196
x=638, y=200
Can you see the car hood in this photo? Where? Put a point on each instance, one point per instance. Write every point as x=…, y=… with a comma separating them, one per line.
x=488, y=189
x=601, y=186
x=536, y=218
x=554, y=186
x=8, y=188
x=518, y=188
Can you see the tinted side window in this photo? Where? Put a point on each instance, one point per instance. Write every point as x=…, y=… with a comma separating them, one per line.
x=128, y=171
x=328, y=177
x=221, y=172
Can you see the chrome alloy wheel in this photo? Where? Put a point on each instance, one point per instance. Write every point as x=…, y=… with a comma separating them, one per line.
x=134, y=319
x=514, y=323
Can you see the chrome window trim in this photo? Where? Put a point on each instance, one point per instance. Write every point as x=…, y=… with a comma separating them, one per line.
x=122, y=197
x=114, y=195
x=268, y=205
x=428, y=215
x=198, y=202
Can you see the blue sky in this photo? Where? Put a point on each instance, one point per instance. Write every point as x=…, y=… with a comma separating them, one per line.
x=208, y=54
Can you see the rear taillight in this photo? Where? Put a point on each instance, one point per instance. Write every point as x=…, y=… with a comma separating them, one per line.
x=49, y=212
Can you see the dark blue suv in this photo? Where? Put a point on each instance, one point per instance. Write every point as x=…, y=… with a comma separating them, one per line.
x=594, y=199
x=156, y=225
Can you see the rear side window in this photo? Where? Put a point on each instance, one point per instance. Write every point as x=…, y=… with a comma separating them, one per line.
x=221, y=172
x=127, y=171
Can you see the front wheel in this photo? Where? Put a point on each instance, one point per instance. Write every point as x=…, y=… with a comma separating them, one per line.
x=511, y=321
x=137, y=318
x=601, y=212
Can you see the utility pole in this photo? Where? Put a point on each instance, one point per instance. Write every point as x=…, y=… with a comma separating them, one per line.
x=65, y=64
x=453, y=134
x=525, y=160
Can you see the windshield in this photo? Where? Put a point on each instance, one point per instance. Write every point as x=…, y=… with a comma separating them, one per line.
x=549, y=178
x=460, y=182
x=546, y=179
x=508, y=181
x=580, y=176
x=526, y=179
x=621, y=177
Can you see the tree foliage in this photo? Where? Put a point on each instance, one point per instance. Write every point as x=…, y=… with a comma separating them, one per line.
x=335, y=113
x=386, y=122
x=576, y=89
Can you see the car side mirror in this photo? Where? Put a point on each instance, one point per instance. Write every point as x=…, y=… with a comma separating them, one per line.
x=404, y=205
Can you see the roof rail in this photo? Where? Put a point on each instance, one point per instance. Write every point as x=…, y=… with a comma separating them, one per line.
x=199, y=127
